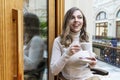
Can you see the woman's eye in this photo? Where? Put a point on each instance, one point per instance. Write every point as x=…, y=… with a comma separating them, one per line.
x=72, y=17
x=80, y=17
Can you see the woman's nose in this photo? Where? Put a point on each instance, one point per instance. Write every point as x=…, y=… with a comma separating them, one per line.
x=76, y=19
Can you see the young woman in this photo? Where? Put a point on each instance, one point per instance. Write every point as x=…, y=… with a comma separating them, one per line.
x=33, y=43
x=68, y=57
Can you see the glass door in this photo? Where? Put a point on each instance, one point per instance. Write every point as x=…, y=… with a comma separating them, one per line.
x=35, y=39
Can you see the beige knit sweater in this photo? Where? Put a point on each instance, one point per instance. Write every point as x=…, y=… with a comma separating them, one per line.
x=71, y=66
x=33, y=53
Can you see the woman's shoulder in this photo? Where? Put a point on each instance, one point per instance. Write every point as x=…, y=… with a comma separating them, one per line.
x=37, y=39
x=57, y=39
x=57, y=42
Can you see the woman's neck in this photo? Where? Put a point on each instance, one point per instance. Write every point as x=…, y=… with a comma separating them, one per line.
x=75, y=35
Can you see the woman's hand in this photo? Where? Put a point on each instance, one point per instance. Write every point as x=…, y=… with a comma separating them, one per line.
x=93, y=62
x=74, y=49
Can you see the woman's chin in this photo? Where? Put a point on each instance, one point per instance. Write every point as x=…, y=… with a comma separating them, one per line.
x=76, y=31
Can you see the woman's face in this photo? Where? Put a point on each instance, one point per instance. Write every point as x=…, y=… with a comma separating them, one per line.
x=76, y=21
x=26, y=38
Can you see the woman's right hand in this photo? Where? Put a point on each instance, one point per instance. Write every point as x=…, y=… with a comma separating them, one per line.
x=74, y=49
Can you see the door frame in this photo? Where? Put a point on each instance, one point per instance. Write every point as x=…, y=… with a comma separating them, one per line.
x=55, y=19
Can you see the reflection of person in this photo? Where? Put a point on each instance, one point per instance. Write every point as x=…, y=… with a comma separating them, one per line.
x=66, y=55
x=33, y=49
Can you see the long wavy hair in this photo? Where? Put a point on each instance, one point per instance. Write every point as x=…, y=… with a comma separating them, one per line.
x=66, y=38
x=31, y=25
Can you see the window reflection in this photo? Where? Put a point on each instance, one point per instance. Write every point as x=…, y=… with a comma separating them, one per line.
x=35, y=39
x=101, y=29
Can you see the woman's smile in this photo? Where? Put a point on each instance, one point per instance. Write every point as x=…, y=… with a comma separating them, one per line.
x=76, y=24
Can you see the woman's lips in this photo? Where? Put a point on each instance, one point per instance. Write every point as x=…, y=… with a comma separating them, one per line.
x=76, y=25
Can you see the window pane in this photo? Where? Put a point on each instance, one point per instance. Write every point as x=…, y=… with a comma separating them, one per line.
x=118, y=14
x=118, y=31
x=101, y=29
x=97, y=30
x=101, y=24
x=35, y=39
x=101, y=16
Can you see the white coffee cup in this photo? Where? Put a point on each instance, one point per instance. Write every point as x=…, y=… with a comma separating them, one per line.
x=75, y=43
x=86, y=46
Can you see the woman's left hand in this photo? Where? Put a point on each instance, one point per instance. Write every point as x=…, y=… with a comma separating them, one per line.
x=93, y=62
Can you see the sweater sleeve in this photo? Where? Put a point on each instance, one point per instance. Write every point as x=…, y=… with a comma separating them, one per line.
x=35, y=54
x=58, y=58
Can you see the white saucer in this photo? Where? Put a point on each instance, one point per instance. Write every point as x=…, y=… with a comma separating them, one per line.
x=86, y=60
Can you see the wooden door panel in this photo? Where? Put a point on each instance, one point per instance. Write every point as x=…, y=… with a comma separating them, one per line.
x=9, y=45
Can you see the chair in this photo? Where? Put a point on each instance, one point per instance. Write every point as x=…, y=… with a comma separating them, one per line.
x=36, y=74
x=99, y=71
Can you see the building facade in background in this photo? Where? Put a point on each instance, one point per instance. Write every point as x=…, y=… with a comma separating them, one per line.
x=107, y=18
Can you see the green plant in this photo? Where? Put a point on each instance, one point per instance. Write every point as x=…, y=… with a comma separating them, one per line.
x=43, y=29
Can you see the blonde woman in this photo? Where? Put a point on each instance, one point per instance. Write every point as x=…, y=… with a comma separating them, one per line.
x=67, y=52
